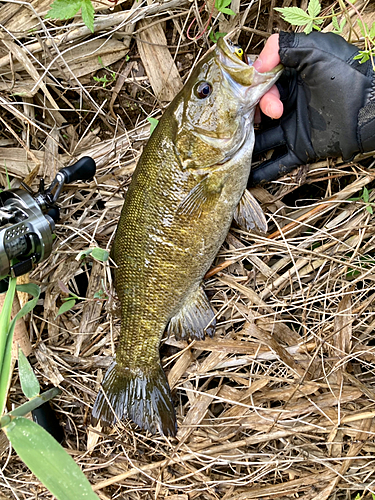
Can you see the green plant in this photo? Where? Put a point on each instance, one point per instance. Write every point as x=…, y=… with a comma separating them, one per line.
x=369, y=35
x=298, y=17
x=70, y=301
x=222, y=6
x=103, y=79
x=97, y=253
x=311, y=20
x=66, y=9
x=153, y=123
x=364, y=261
x=365, y=197
x=44, y=456
x=214, y=36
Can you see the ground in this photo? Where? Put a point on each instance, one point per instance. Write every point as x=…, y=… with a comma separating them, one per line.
x=280, y=404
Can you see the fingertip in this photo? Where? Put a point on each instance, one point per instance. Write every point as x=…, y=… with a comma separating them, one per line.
x=269, y=57
x=271, y=105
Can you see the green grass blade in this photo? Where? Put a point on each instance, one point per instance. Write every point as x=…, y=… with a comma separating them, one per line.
x=29, y=383
x=5, y=344
x=6, y=332
x=48, y=460
x=29, y=406
x=5, y=318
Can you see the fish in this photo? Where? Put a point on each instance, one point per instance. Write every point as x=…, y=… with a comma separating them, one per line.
x=188, y=186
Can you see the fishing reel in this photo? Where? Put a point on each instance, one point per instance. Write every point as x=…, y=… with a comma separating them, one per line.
x=27, y=221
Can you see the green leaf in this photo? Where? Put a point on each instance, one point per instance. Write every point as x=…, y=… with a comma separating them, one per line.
x=309, y=27
x=337, y=29
x=7, y=329
x=362, y=27
x=34, y=291
x=88, y=14
x=66, y=307
x=314, y=8
x=372, y=30
x=335, y=22
x=363, y=55
x=100, y=61
x=29, y=383
x=83, y=253
x=7, y=174
x=365, y=195
x=214, y=37
x=5, y=317
x=100, y=254
x=63, y=9
x=29, y=406
x=48, y=460
x=369, y=209
x=99, y=295
x=227, y=11
x=6, y=337
x=153, y=122
x=294, y=15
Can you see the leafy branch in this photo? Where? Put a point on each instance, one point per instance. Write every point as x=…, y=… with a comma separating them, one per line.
x=312, y=21
x=222, y=6
x=298, y=17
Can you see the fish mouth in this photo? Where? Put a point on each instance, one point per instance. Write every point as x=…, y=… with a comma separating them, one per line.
x=240, y=71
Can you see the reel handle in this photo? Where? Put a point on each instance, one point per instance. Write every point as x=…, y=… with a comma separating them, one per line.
x=83, y=170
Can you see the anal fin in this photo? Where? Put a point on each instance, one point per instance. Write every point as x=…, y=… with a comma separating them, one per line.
x=249, y=214
x=195, y=319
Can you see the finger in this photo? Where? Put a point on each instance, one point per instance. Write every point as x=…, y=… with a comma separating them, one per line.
x=269, y=57
x=270, y=103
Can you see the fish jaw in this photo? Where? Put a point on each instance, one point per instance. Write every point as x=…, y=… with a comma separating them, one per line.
x=248, y=84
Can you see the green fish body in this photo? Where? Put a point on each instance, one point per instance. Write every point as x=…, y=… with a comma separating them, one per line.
x=187, y=187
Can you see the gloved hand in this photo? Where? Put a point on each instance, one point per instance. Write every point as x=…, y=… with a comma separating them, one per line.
x=329, y=105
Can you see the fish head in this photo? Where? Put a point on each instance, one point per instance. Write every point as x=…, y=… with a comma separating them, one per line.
x=215, y=110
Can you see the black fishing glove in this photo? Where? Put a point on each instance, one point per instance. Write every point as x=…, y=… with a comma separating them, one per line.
x=329, y=105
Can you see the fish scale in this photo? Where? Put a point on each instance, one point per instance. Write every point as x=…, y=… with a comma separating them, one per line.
x=177, y=212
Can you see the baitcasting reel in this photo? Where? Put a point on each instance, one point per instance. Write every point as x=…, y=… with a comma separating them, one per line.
x=27, y=221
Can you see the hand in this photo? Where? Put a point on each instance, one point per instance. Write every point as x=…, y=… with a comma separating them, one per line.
x=268, y=59
x=329, y=109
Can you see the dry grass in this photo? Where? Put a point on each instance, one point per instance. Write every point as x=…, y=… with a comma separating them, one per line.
x=280, y=404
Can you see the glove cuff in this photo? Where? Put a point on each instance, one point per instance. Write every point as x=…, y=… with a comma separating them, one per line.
x=366, y=122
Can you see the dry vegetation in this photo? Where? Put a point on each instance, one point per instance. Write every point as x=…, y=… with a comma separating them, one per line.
x=281, y=403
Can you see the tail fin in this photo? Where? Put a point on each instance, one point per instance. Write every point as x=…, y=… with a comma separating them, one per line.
x=144, y=397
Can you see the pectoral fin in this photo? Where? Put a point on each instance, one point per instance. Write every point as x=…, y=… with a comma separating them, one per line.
x=201, y=197
x=249, y=214
x=195, y=319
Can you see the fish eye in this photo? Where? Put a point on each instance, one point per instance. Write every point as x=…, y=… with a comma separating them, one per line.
x=203, y=90
x=239, y=52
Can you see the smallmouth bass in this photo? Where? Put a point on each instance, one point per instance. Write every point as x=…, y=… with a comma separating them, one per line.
x=189, y=183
